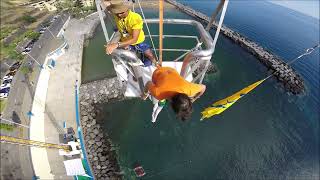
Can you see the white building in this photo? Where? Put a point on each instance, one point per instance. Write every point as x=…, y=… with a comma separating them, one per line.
x=45, y=4
x=87, y=3
x=50, y=5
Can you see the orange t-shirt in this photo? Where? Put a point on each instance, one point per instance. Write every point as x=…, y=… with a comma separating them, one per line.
x=167, y=83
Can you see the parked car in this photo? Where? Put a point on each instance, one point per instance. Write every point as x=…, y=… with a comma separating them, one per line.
x=4, y=95
x=5, y=85
x=7, y=81
x=25, y=51
x=7, y=77
x=5, y=90
x=15, y=66
x=11, y=73
x=42, y=30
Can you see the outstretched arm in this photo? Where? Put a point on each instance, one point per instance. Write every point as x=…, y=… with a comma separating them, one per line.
x=112, y=46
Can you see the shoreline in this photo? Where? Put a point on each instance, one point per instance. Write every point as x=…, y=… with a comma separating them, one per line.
x=147, y=4
x=284, y=74
x=101, y=153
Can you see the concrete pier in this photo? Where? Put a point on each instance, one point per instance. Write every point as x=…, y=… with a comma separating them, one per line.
x=285, y=74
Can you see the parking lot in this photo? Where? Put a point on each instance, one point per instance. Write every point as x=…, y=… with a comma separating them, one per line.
x=20, y=97
x=48, y=30
x=7, y=80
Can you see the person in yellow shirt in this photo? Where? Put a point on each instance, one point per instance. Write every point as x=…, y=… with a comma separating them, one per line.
x=168, y=84
x=130, y=26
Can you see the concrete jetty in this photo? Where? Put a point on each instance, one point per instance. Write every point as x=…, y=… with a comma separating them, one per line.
x=291, y=81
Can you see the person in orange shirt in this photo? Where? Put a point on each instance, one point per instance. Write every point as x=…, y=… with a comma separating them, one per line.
x=168, y=84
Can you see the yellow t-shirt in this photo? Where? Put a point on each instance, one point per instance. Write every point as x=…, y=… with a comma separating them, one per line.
x=128, y=24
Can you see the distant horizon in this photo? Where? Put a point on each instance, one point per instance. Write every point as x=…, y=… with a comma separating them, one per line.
x=307, y=7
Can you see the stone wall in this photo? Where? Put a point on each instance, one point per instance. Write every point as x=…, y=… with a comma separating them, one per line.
x=101, y=153
x=284, y=73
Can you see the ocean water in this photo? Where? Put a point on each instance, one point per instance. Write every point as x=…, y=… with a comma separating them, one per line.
x=268, y=134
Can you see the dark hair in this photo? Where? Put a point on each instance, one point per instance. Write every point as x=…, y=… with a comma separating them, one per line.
x=182, y=106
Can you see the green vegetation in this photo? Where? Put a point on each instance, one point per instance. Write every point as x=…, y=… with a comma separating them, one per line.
x=75, y=8
x=13, y=54
x=15, y=17
x=10, y=50
x=32, y=34
x=78, y=4
x=6, y=127
x=5, y=31
x=12, y=13
x=64, y=5
x=46, y=24
x=25, y=70
x=3, y=103
x=28, y=19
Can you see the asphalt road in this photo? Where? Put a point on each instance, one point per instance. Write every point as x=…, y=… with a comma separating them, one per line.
x=17, y=158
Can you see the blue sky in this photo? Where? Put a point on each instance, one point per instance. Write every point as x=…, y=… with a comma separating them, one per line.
x=308, y=7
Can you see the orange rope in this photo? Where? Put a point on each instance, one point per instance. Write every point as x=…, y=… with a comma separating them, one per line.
x=160, y=30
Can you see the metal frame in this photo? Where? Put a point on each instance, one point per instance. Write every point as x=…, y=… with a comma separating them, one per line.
x=198, y=53
x=205, y=36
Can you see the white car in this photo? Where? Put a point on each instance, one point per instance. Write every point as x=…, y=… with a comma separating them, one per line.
x=4, y=95
x=7, y=77
x=25, y=52
x=5, y=85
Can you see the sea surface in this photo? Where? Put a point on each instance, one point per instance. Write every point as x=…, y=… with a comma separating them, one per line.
x=268, y=134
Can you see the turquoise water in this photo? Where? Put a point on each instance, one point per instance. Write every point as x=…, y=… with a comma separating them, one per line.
x=268, y=134
x=96, y=64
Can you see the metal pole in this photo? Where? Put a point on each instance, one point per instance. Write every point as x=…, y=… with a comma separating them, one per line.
x=14, y=123
x=105, y=32
x=160, y=30
x=220, y=23
x=225, y=5
x=216, y=12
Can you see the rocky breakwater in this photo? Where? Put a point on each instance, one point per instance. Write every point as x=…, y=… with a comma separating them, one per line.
x=101, y=154
x=290, y=79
